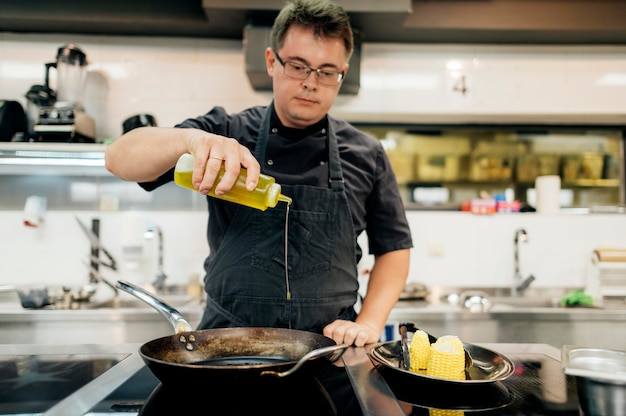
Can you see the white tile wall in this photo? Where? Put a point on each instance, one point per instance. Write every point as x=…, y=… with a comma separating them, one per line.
x=451, y=248
x=178, y=78
x=464, y=250
x=56, y=251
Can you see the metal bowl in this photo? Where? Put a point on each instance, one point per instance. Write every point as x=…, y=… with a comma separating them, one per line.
x=600, y=379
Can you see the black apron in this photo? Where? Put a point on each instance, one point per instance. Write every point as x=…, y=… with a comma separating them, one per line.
x=245, y=280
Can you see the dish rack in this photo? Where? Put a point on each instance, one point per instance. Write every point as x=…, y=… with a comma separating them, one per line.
x=607, y=274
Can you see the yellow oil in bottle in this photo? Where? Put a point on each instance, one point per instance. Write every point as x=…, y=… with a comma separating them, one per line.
x=267, y=194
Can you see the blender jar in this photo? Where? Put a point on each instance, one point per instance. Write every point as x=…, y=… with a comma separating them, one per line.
x=71, y=73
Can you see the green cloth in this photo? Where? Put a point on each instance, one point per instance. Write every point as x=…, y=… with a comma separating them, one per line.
x=577, y=297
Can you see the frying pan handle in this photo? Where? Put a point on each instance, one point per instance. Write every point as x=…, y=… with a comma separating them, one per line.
x=335, y=352
x=176, y=318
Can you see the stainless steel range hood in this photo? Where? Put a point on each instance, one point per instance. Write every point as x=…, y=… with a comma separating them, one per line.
x=256, y=33
x=364, y=6
x=256, y=40
x=388, y=21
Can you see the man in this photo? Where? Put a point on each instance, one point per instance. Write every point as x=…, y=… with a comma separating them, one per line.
x=340, y=180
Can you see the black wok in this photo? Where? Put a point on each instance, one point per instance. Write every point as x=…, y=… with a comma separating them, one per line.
x=230, y=355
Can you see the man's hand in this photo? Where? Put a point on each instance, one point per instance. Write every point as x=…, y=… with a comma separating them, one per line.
x=351, y=333
x=211, y=152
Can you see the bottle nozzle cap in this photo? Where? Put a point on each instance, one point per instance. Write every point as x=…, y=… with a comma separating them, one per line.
x=273, y=194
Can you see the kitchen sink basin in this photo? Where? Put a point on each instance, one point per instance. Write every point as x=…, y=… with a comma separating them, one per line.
x=103, y=297
x=103, y=319
x=122, y=302
x=534, y=317
x=486, y=299
x=174, y=295
x=500, y=300
x=526, y=301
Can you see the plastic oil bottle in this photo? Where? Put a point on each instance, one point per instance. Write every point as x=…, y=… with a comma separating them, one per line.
x=265, y=195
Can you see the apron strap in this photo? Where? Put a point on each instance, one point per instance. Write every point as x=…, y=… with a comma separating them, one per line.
x=261, y=142
x=335, y=174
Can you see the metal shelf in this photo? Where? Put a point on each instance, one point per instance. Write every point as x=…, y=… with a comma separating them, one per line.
x=75, y=159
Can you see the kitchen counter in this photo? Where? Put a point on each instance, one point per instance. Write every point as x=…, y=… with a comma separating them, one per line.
x=109, y=389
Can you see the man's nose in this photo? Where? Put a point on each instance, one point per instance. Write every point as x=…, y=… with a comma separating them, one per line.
x=313, y=81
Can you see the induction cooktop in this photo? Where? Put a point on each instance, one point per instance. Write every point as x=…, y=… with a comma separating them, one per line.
x=33, y=383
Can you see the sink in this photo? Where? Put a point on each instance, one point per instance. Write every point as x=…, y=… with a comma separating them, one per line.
x=175, y=301
x=534, y=318
x=526, y=301
x=174, y=295
x=486, y=299
x=102, y=320
x=104, y=298
x=494, y=299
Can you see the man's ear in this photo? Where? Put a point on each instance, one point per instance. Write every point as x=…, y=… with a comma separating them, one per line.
x=345, y=72
x=270, y=61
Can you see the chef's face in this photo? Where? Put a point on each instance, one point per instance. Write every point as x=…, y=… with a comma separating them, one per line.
x=300, y=103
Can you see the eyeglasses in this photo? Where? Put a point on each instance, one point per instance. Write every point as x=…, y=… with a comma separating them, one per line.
x=300, y=71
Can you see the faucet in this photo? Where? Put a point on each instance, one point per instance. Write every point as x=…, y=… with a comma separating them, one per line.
x=96, y=248
x=159, y=282
x=519, y=284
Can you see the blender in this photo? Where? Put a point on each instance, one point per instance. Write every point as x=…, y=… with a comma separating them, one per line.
x=64, y=118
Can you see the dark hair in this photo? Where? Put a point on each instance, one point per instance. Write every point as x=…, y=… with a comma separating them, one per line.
x=327, y=19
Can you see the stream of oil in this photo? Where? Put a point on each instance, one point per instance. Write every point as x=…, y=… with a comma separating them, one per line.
x=286, y=256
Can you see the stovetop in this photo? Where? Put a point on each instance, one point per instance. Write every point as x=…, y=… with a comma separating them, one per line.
x=30, y=384
x=97, y=380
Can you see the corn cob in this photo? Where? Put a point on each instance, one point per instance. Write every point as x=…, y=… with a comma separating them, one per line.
x=444, y=412
x=419, y=351
x=446, y=361
x=445, y=358
x=450, y=340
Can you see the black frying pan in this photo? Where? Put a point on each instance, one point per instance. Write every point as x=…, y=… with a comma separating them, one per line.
x=227, y=355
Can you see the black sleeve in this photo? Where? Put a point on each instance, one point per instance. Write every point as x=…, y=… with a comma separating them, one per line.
x=161, y=180
x=387, y=225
